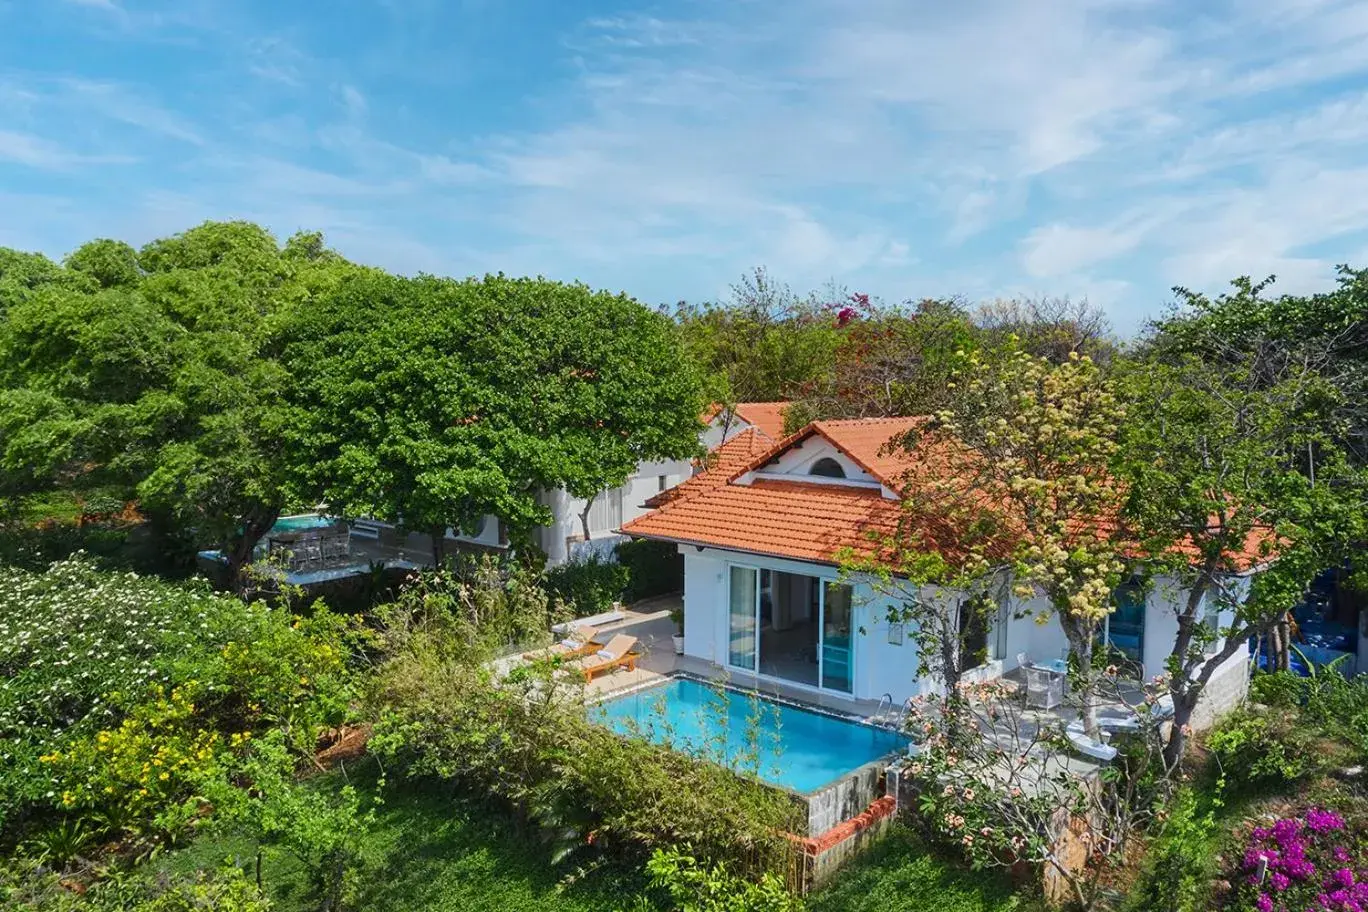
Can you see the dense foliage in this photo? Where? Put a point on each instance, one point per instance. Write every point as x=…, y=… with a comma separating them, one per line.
x=126, y=699
x=434, y=403
x=529, y=747
x=153, y=371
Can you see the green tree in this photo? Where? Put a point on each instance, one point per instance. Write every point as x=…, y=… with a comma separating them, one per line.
x=22, y=273
x=1014, y=477
x=765, y=344
x=432, y=403
x=1238, y=441
x=888, y=362
x=107, y=263
x=160, y=377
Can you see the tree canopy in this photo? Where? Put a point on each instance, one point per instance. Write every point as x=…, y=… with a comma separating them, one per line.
x=432, y=403
x=153, y=372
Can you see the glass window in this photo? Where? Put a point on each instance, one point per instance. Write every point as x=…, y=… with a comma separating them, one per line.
x=836, y=645
x=828, y=468
x=741, y=618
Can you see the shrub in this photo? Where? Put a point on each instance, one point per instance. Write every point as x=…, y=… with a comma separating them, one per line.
x=696, y=887
x=105, y=673
x=27, y=886
x=1282, y=689
x=653, y=568
x=1262, y=749
x=525, y=743
x=1181, y=863
x=483, y=604
x=589, y=586
x=1334, y=706
x=1313, y=861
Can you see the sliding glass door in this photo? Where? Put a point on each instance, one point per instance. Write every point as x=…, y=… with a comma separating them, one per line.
x=836, y=651
x=801, y=633
x=741, y=618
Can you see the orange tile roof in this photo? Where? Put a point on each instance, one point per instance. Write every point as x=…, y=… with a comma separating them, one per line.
x=795, y=519
x=767, y=417
x=721, y=465
x=824, y=523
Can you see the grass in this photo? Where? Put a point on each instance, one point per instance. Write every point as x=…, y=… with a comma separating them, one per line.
x=429, y=854
x=901, y=874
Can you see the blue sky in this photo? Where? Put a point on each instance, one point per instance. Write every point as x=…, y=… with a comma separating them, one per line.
x=1106, y=149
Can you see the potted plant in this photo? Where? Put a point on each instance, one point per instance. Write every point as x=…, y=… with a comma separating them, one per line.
x=677, y=615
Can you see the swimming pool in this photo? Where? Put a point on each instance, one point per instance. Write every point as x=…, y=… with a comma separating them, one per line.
x=302, y=522
x=798, y=749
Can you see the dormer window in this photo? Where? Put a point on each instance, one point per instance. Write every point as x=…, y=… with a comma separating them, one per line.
x=827, y=468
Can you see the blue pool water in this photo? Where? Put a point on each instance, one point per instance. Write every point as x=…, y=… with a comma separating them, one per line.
x=299, y=523
x=798, y=749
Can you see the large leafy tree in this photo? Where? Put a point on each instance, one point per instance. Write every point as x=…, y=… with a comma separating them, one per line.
x=1240, y=440
x=1014, y=479
x=154, y=372
x=431, y=402
x=889, y=362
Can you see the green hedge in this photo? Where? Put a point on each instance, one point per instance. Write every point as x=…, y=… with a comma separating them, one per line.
x=653, y=568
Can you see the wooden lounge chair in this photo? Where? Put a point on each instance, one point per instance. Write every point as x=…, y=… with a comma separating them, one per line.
x=579, y=642
x=618, y=652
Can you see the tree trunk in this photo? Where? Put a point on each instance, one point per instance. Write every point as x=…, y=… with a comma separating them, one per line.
x=584, y=515
x=1184, y=705
x=950, y=656
x=1080, y=637
x=255, y=525
x=1282, y=640
x=438, y=537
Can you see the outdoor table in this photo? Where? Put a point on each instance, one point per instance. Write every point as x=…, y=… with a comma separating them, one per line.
x=1054, y=666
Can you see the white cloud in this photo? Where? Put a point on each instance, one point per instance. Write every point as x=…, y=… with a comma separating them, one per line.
x=1113, y=145
x=36, y=152
x=120, y=103
x=1057, y=249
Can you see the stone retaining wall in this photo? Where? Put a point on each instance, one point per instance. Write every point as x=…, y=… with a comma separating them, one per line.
x=840, y=802
x=1226, y=690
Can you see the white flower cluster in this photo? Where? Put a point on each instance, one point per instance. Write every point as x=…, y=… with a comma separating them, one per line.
x=75, y=635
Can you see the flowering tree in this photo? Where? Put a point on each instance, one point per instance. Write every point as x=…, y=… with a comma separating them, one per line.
x=1001, y=785
x=1016, y=477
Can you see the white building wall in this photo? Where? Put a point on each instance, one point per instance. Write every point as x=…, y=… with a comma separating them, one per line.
x=705, y=606
x=882, y=666
x=879, y=666
x=1035, y=633
x=560, y=537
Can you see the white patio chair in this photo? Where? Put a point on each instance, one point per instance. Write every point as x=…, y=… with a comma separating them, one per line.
x=1023, y=659
x=1044, y=689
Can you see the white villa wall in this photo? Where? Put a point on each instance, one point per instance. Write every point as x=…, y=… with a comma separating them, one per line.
x=559, y=539
x=1036, y=633
x=879, y=666
x=882, y=667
